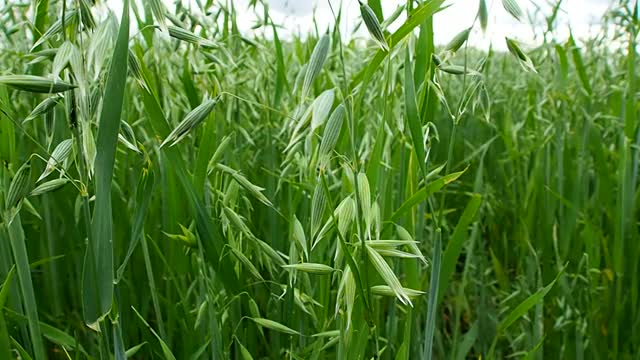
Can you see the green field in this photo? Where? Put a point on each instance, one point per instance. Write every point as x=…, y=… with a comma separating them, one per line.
x=173, y=188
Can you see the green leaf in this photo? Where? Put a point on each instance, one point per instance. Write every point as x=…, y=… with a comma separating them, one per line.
x=166, y=351
x=143, y=199
x=412, y=116
x=424, y=192
x=281, y=76
x=4, y=290
x=97, y=274
x=134, y=350
x=456, y=241
x=5, y=342
x=579, y=64
x=209, y=231
x=18, y=245
x=527, y=304
x=430, y=325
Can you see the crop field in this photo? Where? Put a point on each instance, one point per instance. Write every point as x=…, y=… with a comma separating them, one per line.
x=174, y=188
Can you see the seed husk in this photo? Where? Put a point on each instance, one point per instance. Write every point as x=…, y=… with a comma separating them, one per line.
x=318, y=57
x=49, y=186
x=55, y=28
x=515, y=50
x=483, y=14
x=36, y=84
x=20, y=186
x=254, y=190
x=273, y=325
x=365, y=198
x=43, y=107
x=388, y=276
x=372, y=24
x=321, y=108
x=299, y=236
x=191, y=121
x=456, y=43
x=512, y=8
x=312, y=268
x=385, y=290
x=187, y=36
x=458, y=70
x=332, y=131
x=59, y=155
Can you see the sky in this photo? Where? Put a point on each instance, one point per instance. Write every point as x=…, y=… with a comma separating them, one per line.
x=296, y=17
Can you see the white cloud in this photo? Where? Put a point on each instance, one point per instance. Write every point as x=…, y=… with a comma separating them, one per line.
x=297, y=17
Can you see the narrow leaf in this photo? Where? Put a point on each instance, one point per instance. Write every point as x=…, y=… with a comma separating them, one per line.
x=97, y=274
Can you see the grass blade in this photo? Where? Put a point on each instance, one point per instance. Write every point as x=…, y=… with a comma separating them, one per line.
x=97, y=275
x=274, y=325
x=454, y=246
x=16, y=236
x=430, y=325
x=424, y=193
x=316, y=62
x=527, y=304
x=166, y=351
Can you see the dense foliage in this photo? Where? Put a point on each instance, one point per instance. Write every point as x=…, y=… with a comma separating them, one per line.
x=172, y=188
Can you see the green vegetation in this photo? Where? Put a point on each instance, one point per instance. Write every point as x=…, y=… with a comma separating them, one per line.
x=173, y=189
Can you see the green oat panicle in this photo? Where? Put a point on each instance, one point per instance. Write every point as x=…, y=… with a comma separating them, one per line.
x=44, y=107
x=365, y=199
x=217, y=155
x=62, y=58
x=136, y=71
x=36, y=84
x=458, y=70
x=331, y=132
x=55, y=28
x=49, y=186
x=385, y=290
x=346, y=215
x=318, y=203
x=159, y=13
x=456, y=43
x=385, y=272
x=273, y=325
x=316, y=62
x=187, y=36
x=312, y=268
x=58, y=156
x=127, y=137
x=483, y=15
x=278, y=207
x=253, y=189
x=512, y=8
x=373, y=26
x=299, y=236
x=20, y=186
x=321, y=108
x=191, y=121
x=515, y=50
